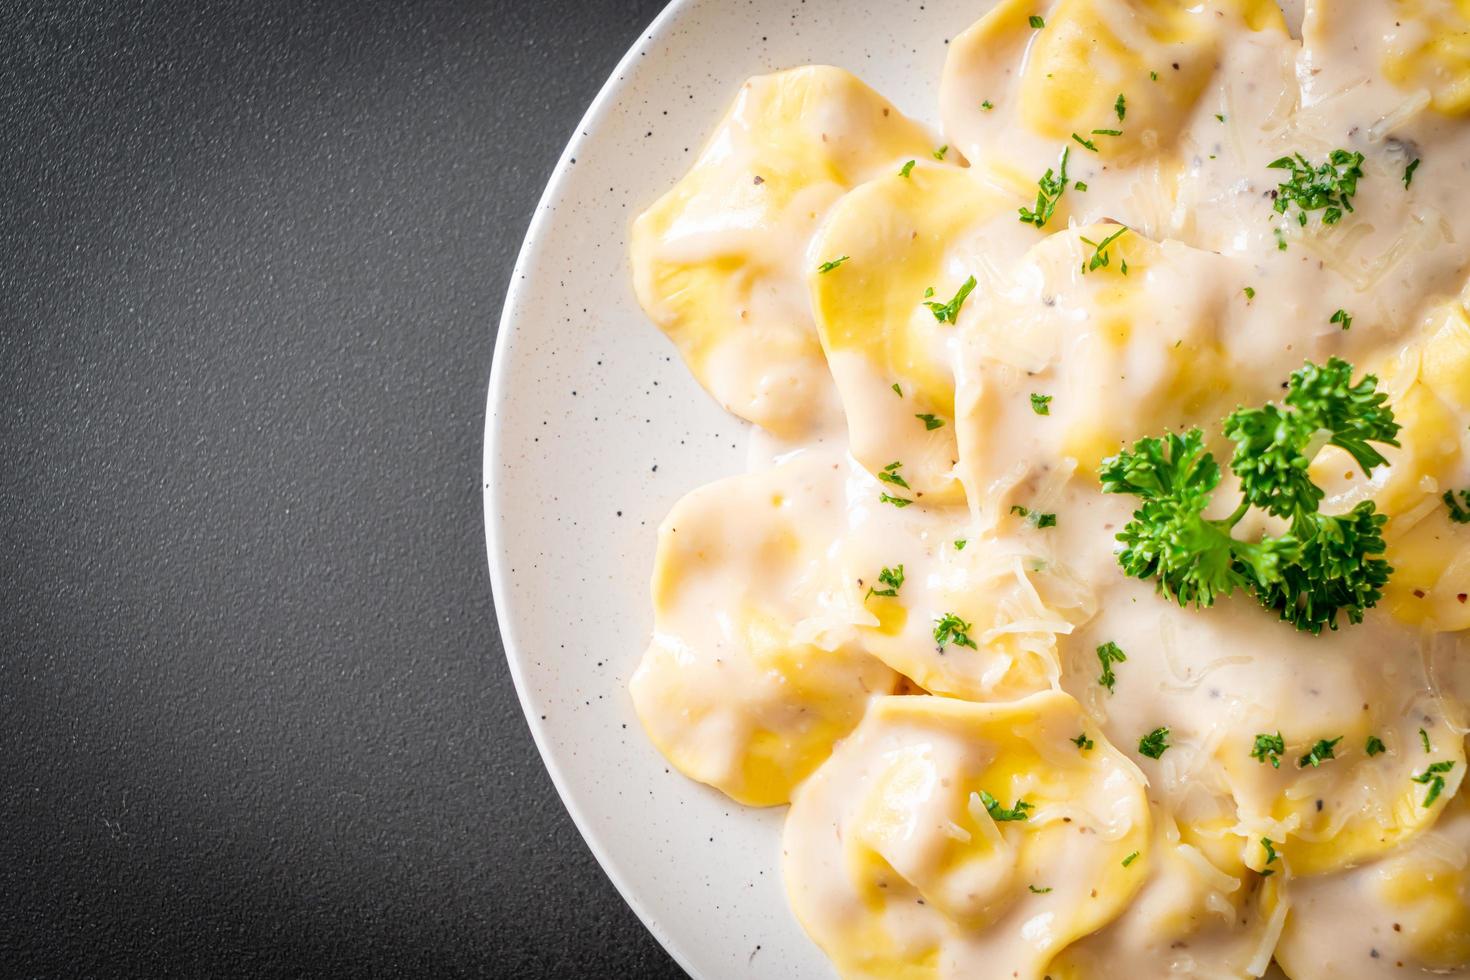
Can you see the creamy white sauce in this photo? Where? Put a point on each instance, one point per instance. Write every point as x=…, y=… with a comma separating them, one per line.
x=901, y=605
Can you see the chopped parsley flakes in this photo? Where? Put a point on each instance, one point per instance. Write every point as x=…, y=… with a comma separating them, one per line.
x=1109, y=653
x=1121, y=107
x=890, y=474
x=948, y=312
x=1082, y=742
x=939, y=153
x=1155, y=743
x=1434, y=778
x=1034, y=517
x=1374, y=746
x=908, y=168
x=890, y=577
x=951, y=629
x=1409, y=173
x=1049, y=192
x=829, y=266
x=999, y=813
x=1343, y=317
x=1099, y=258
x=1458, y=513
x=1036, y=22
x=1320, y=753
x=931, y=422
x=1271, y=856
x=1328, y=188
x=1268, y=748
x=1130, y=859
x=1041, y=404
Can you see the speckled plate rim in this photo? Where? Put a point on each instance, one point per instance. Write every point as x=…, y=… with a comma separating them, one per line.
x=584, y=395
x=521, y=283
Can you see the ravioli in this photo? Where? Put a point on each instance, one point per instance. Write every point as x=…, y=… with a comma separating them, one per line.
x=953, y=839
x=719, y=261
x=1098, y=335
x=1191, y=919
x=742, y=687
x=1405, y=915
x=1124, y=75
x=1029, y=728
x=888, y=316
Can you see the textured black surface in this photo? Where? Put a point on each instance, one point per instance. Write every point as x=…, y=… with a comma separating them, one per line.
x=254, y=716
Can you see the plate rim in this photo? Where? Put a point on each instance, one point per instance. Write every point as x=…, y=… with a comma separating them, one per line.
x=491, y=493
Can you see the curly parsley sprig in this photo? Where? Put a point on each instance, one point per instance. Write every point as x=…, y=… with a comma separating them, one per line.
x=1323, y=565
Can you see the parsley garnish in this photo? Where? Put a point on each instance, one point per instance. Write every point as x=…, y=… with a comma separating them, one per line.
x=908, y=168
x=1130, y=859
x=890, y=474
x=1049, y=192
x=1271, y=856
x=1085, y=142
x=931, y=422
x=1375, y=745
x=1080, y=185
x=952, y=629
x=1107, y=132
x=1320, y=753
x=1434, y=777
x=1038, y=891
x=1409, y=173
x=829, y=266
x=1121, y=107
x=1268, y=748
x=897, y=390
x=1099, y=258
x=987, y=105
x=1082, y=742
x=999, y=813
x=1034, y=517
x=1154, y=743
x=1041, y=404
x=891, y=577
x=1328, y=188
x=939, y=153
x=959, y=544
x=1323, y=565
x=1458, y=514
x=1250, y=292
x=1424, y=740
x=947, y=312
x=1036, y=22
x=1154, y=75
x=1280, y=240
x=1343, y=317
x=1221, y=118
x=1110, y=653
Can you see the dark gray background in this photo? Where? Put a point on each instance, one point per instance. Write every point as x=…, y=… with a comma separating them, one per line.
x=254, y=715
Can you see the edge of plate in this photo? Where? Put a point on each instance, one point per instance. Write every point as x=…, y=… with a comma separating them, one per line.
x=606, y=95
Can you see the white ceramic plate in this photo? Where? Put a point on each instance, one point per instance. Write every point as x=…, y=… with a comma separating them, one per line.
x=595, y=429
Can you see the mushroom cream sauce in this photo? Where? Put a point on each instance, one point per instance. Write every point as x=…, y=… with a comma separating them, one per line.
x=1003, y=756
